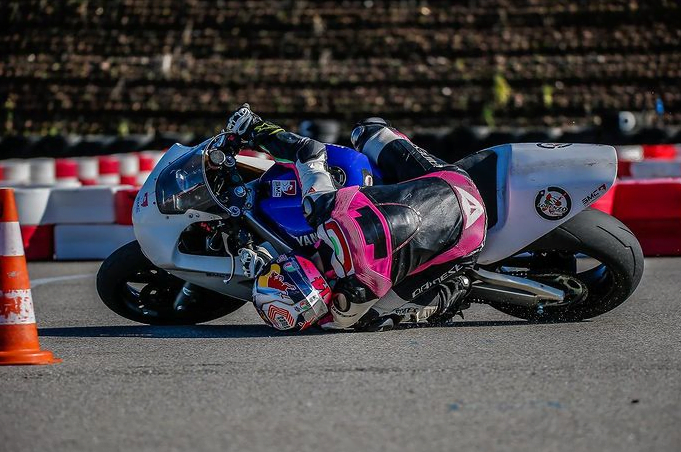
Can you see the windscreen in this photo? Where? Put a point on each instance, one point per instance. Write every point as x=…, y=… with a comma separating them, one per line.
x=181, y=186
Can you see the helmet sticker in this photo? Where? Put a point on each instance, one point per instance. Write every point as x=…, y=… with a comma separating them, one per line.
x=274, y=280
x=280, y=318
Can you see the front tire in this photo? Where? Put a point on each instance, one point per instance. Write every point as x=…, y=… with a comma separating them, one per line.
x=596, y=235
x=133, y=287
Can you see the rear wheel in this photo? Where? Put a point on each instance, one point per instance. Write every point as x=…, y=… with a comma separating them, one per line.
x=593, y=258
x=134, y=288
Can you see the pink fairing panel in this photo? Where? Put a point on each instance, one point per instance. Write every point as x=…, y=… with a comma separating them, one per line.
x=370, y=271
x=474, y=219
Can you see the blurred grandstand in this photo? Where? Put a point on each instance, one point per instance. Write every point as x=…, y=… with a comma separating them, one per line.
x=461, y=75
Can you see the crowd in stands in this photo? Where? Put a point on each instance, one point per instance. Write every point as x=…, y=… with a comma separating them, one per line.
x=141, y=66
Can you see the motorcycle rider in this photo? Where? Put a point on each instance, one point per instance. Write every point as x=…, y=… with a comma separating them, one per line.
x=389, y=253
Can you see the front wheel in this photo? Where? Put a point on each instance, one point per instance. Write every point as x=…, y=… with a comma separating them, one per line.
x=593, y=257
x=133, y=287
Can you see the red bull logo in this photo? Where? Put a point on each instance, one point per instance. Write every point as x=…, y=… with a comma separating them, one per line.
x=275, y=281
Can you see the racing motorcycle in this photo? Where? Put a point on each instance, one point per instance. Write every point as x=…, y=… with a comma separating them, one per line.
x=548, y=256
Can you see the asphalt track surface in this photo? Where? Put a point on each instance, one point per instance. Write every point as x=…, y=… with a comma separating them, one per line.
x=488, y=383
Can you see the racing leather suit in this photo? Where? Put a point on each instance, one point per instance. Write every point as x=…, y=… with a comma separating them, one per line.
x=394, y=248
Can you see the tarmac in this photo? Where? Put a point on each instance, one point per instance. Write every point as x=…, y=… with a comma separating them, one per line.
x=487, y=383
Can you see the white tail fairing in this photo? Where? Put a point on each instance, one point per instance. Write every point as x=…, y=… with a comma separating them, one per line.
x=542, y=185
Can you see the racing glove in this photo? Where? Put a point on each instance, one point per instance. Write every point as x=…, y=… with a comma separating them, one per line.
x=252, y=261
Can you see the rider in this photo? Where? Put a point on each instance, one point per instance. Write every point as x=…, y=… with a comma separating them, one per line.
x=388, y=253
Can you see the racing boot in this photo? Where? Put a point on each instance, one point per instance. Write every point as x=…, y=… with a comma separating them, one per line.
x=454, y=304
x=373, y=322
x=366, y=129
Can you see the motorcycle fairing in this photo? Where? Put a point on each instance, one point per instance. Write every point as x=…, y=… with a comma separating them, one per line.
x=581, y=173
x=279, y=201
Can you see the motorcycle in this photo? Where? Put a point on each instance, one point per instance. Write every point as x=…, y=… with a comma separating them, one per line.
x=547, y=257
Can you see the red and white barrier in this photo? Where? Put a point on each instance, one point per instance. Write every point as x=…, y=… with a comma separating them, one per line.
x=629, y=153
x=95, y=204
x=109, y=170
x=37, y=232
x=124, y=201
x=659, y=151
x=651, y=209
x=42, y=171
x=38, y=242
x=147, y=162
x=88, y=170
x=129, y=168
x=66, y=171
x=16, y=172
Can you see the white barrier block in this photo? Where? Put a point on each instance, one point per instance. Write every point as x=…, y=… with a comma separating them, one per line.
x=43, y=171
x=651, y=169
x=90, y=204
x=629, y=153
x=16, y=171
x=89, y=241
x=32, y=205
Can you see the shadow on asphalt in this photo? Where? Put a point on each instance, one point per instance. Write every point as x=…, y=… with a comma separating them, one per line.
x=179, y=332
x=480, y=323
x=220, y=331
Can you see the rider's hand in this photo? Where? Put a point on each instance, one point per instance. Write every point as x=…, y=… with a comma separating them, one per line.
x=252, y=261
x=242, y=121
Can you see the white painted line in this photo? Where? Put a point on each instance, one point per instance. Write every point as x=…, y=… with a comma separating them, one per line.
x=42, y=281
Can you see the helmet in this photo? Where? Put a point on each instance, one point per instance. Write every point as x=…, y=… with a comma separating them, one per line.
x=290, y=293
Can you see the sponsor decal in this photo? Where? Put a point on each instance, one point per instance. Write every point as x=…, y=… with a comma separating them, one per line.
x=290, y=266
x=306, y=324
x=142, y=202
x=321, y=286
x=594, y=195
x=553, y=203
x=217, y=275
x=553, y=145
x=471, y=207
x=307, y=239
x=426, y=156
x=443, y=277
x=303, y=306
x=282, y=258
x=275, y=281
x=280, y=317
x=284, y=188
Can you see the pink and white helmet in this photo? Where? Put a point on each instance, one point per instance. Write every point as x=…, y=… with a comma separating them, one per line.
x=290, y=293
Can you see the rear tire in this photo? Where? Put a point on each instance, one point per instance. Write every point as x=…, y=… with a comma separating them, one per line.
x=601, y=237
x=152, y=304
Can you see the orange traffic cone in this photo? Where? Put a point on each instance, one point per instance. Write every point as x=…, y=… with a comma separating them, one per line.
x=18, y=332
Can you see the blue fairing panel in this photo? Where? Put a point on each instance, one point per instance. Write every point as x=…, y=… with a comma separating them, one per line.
x=279, y=198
